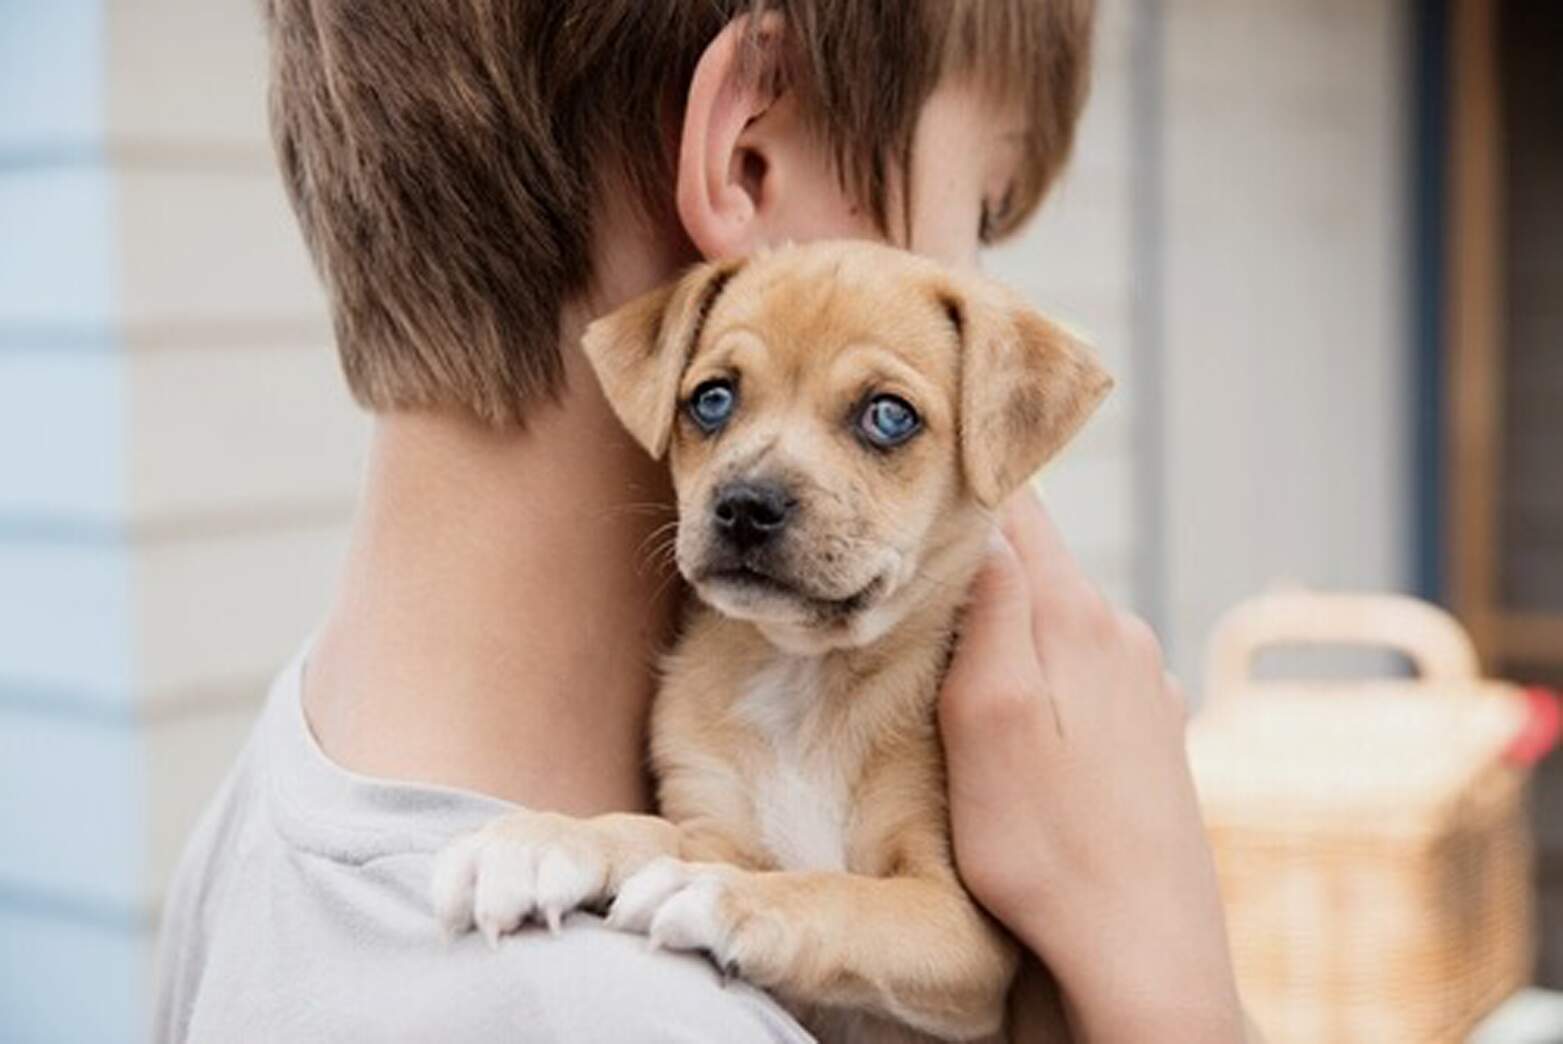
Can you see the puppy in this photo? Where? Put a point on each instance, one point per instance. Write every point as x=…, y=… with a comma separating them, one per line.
x=840, y=420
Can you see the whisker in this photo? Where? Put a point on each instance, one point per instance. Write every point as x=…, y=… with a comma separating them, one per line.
x=659, y=556
x=647, y=507
x=673, y=574
x=655, y=534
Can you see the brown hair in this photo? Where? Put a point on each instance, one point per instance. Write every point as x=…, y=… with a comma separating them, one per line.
x=444, y=156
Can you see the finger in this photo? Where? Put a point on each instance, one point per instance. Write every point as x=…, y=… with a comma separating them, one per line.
x=1030, y=528
x=995, y=659
x=1177, y=696
x=1140, y=641
x=998, y=620
x=1064, y=601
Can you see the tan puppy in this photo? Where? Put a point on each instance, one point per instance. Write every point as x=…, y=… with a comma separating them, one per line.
x=840, y=420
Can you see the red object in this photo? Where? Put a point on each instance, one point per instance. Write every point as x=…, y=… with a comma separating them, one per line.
x=1540, y=733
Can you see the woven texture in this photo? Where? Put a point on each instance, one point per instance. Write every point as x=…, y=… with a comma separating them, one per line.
x=1370, y=836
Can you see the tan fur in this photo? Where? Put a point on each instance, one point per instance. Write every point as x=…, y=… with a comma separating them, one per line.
x=868, y=935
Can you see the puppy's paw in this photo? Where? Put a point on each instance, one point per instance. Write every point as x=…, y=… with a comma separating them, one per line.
x=693, y=918
x=453, y=884
x=681, y=906
x=644, y=892
x=526, y=865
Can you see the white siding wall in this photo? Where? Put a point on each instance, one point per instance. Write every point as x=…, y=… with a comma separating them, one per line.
x=177, y=460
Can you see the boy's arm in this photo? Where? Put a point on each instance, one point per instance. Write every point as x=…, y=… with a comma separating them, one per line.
x=1074, y=814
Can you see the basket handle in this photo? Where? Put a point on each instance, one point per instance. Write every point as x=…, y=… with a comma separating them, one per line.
x=1433, y=640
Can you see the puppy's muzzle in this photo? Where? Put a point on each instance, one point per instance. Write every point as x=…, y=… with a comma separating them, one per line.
x=748, y=516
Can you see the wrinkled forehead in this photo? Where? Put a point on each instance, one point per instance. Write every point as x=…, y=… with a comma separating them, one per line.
x=815, y=312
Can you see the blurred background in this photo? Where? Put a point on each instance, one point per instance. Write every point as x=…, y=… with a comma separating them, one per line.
x=1320, y=242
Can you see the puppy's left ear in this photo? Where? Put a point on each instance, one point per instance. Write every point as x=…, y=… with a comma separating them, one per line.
x=1027, y=385
x=640, y=350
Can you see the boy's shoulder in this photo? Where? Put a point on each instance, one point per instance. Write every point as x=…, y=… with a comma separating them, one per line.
x=300, y=911
x=591, y=983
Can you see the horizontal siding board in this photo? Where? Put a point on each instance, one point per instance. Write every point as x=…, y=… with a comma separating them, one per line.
x=213, y=609
x=118, y=628
x=203, y=247
x=97, y=811
x=222, y=49
x=51, y=77
x=75, y=806
x=65, y=617
x=266, y=429
x=108, y=446
x=68, y=979
x=62, y=452
x=58, y=266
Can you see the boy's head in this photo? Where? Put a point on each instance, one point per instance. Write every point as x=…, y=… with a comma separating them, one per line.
x=463, y=168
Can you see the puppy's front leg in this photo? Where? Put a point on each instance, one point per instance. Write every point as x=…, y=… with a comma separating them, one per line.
x=914, y=950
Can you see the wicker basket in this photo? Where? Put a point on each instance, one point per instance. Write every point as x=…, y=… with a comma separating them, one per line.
x=1371, y=836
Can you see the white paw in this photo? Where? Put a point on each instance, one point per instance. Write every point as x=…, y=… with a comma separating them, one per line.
x=645, y=891
x=691, y=918
x=455, y=875
x=498, y=879
x=678, y=906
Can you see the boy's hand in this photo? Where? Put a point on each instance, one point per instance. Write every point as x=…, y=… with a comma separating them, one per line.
x=1074, y=813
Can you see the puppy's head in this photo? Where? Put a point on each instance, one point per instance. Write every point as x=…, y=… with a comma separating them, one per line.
x=837, y=417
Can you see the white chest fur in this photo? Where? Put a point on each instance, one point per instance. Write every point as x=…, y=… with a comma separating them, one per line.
x=800, y=801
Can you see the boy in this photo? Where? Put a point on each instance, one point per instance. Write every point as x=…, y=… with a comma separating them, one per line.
x=476, y=181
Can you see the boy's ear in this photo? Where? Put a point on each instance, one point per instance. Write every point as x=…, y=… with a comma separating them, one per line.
x=1027, y=385
x=639, y=351
x=725, y=155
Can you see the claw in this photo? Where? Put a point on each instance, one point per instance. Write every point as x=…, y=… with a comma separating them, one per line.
x=522, y=867
x=453, y=886
x=644, y=893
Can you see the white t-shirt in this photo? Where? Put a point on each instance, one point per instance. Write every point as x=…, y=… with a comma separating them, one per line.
x=300, y=912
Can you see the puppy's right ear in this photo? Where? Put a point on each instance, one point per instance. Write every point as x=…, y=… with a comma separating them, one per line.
x=1027, y=385
x=640, y=350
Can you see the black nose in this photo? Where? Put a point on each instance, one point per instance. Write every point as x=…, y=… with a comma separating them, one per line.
x=748, y=514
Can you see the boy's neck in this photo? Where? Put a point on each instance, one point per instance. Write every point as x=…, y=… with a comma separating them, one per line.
x=500, y=613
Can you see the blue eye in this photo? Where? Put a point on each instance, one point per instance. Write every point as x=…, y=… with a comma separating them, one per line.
x=888, y=421
x=712, y=404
